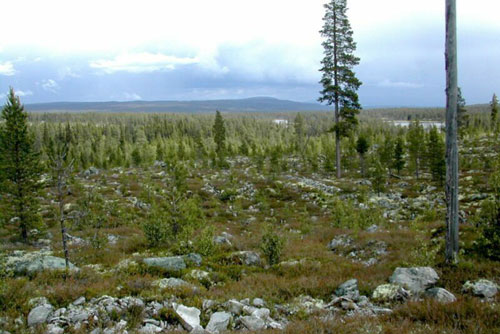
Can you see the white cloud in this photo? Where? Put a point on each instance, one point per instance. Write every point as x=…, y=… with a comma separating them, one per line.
x=22, y=93
x=141, y=63
x=131, y=96
x=399, y=84
x=50, y=85
x=7, y=69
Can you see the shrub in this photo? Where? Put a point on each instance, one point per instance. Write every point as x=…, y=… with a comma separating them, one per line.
x=488, y=219
x=205, y=244
x=272, y=246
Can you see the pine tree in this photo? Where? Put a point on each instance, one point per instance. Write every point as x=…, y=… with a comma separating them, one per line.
x=339, y=81
x=20, y=165
x=494, y=112
x=219, y=136
x=416, y=145
x=399, y=162
x=298, y=125
x=362, y=147
x=462, y=117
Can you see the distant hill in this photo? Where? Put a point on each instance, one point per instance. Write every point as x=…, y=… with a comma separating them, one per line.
x=255, y=104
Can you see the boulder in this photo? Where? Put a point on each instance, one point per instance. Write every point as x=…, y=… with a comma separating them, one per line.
x=219, y=321
x=193, y=258
x=480, y=288
x=390, y=293
x=189, y=316
x=348, y=289
x=39, y=314
x=258, y=302
x=441, y=295
x=253, y=323
x=32, y=263
x=174, y=263
x=247, y=258
x=171, y=283
x=340, y=241
x=416, y=279
x=234, y=306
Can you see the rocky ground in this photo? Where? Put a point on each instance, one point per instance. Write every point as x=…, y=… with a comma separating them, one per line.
x=352, y=258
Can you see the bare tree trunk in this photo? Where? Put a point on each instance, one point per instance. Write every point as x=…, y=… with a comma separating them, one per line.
x=337, y=115
x=451, y=133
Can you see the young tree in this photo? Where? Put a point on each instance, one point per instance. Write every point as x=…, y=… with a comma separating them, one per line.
x=219, y=136
x=416, y=145
x=362, y=147
x=298, y=125
x=20, y=165
x=339, y=81
x=462, y=117
x=494, y=112
x=436, y=156
x=399, y=151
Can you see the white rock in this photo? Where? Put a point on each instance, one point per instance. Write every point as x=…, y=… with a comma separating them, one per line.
x=189, y=316
x=218, y=322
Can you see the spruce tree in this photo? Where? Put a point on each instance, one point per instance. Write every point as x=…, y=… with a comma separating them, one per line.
x=494, y=112
x=462, y=117
x=416, y=145
x=436, y=156
x=20, y=165
x=338, y=80
x=362, y=147
x=298, y=125
x=399, y=162
x=219, y=136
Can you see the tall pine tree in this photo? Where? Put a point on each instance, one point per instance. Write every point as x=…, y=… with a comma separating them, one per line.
x=219, y=137
x=20, y=165
x=339, y=81
x=494, y=112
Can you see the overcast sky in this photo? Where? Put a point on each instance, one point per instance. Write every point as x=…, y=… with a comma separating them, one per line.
x=95, y=50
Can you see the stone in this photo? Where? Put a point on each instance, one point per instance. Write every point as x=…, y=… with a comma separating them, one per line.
x=171, y=283
x=174, y=263
x=194, y=259
x=247, y=258
x=234, y=306
x=36, y=262
x=54, y=329
x=219, y=321
x=253, y=323
x=39, y=314
x=390, y=293
x=416, y=279
x=340, y=241
x=441, y=295
x=262, y=313
x=189, y=316
x=150, y=329
x=372, y=229
x=91, y=171
x=221, y=240
x=79, y=301
x=257, y=302
x=481, y=288
x=348, y=289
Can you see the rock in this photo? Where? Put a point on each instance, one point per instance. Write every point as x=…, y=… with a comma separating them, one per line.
x=348, y=289
x=91, y=171
x=263, y=313
x=189, y=316
x=79, y=301
x=390, y=293
x=54, y=329
x=39, y=314
x=173, y=263
x=416, y=279
x=234, y=306
x=480, y=288
x=194, y=259
x=171, y=283
x=218, y=322
x=253, y=323
x=340, y=241
x=441, y=295
x=257, y=302
x=78, y=315
x=372, y=229
x=221, y=240
x=247, y=258
x=150, y=329
x=31, y=263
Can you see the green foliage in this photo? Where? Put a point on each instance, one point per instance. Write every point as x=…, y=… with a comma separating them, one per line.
x=436, y=155
x=494, y=112
x=379, y=177
x=272, y=246
x=20, y=167
x=345, y=214
x=362, y=145
x=204, y=243
x=219, y=130
x=416, y=146
x=399, y=162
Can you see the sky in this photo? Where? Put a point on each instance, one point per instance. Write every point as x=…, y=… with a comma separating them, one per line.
x=125, y=50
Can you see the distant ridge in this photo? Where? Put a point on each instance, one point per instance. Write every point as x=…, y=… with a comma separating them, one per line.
x=254, y=104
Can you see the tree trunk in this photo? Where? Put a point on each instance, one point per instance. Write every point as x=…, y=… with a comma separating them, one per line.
x=451, y=134
x=337, y=116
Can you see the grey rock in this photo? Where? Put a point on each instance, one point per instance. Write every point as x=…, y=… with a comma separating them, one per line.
x=257, y=302
x=221, y=240
x=481, y=288
x=340, y=241
x=253, y=323
x=390, y=293
x=79, y=301
x=168, y=263
x=31, y=264
x=416, y=279
x=150, y=329
x=441, y=295
x=171, y=283
x=54, y=329
x=189, y=316
x=248, y=258
x=219, y=321
x=194, y=259
x=39, y=314
x=234, y=306
x=262, y=313
x=372, y=229
x=91, y=171
x=348, y=289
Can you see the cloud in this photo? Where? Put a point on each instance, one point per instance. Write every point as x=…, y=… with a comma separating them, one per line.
x=141, y=63
x=50, y=85
x=131, y=96
x=399, y=84
x=7, y=69
x=22, y=93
